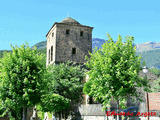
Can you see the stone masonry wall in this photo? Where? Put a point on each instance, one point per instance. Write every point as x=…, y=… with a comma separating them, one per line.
x=65, y=43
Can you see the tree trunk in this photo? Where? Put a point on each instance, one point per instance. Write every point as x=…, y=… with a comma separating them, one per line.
x=59, y=115
x=24, y=113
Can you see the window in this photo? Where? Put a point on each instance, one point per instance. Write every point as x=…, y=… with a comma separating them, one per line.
x=49, y=56
x=67, y=31
x=53, y=34
x=81, y=33
x=51, y=53
x=73, y=51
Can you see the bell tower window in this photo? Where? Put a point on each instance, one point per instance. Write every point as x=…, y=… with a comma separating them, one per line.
x=81, y=33
x=53, y=34
x=51, y=53
x=49, y=56
x=73, y=51
x=67, y=32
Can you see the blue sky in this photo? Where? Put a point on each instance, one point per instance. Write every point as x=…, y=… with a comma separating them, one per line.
x=29, y=20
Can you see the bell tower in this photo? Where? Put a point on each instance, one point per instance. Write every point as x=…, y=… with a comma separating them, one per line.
x=68, y=40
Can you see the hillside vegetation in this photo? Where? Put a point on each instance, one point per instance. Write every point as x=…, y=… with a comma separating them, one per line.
x=151, y=57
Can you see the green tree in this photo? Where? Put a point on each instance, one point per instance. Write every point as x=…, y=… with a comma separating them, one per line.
x=155, y=71
x=54, y=103
x=65, y=87
x=156, y=85
x=21, y=80
x=114, y=72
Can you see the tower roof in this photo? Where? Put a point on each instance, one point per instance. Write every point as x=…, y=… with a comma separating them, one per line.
x=69, y=20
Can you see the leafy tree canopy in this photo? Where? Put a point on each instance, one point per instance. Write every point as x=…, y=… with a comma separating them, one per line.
x=54, y=103
x=21, y=78
x=64, y=86
x=114, y=72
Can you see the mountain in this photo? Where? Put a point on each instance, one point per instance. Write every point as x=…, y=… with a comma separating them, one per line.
x=150, y=52
x=40, y=45
x=97, y=42
x=147, y=46
x=151, y=57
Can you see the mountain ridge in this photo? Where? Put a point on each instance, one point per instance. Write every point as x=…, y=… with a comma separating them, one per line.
x=147, y=46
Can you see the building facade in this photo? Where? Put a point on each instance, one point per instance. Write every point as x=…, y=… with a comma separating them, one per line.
x=68, y=40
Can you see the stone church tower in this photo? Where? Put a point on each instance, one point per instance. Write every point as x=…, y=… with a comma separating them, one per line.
x=68, y=40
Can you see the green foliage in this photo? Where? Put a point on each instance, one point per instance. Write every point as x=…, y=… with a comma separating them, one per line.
x=49, y=115
x=114, y=72
x=2, y=52
x=54, y=103
x=40, y=114
x=156, y=87
x=65, y=87
x=156, y=83
x=155, y=71
x=21, y=79
x=152, y=58
x=87, y=87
